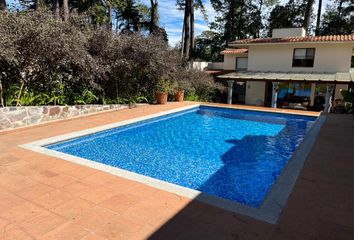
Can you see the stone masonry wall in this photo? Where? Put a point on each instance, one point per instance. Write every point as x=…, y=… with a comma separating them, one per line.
x=14, y=117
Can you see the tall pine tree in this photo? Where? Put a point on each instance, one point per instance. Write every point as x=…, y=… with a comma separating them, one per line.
x=292, y=14
x=239, y=19
x=339, y=18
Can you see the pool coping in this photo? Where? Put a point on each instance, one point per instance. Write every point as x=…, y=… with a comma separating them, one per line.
x=272, y=205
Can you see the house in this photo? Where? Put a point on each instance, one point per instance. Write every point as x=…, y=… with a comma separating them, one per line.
x=289, y=70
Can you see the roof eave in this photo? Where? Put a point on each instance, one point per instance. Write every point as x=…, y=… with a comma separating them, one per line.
x=245, y=53
x=288, y=43
x=338, y=77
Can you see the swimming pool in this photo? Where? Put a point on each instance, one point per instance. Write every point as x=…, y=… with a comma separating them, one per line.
x=231, y=154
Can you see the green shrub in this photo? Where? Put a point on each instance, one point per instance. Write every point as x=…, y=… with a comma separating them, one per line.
x=49, y=61
x=198, y=86
x=348, y=98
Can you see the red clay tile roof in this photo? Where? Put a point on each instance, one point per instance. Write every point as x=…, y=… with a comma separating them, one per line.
x=331, y=38
x=213, y=71
x=216, y=72
x=234, y=51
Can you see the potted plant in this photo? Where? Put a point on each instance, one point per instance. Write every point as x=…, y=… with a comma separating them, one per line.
x=162, y=90
x=179, y=95
x=180, y=87
x=132, y=101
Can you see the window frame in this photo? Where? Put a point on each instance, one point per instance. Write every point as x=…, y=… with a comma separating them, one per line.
x=313, y=63
x=236, y=67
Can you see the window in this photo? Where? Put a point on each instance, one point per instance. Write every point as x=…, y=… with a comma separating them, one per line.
x=241, y=63
x=303, y=57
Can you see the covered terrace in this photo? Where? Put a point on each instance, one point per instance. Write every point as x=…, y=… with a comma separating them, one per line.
x=329, y=80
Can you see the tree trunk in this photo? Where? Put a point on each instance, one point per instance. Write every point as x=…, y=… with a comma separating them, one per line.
x=37, y=5
x=65, y=10
x=2, y=104
x=230, y=32
x=182, y=41
x=260, y=6
x=56, y=8
x=308, y=13
x=117, y=25
x=318, y=22
x=260, y=16
x=187, y=14
x=117, y=92
x=20, y=93
x=110, y=14
x=3, y=5
x=192, y=44
x=153, y=15
x=340, y=7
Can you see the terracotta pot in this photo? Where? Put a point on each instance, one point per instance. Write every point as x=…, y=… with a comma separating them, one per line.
x=132, y=105
x=161, y=97
x=179, y=96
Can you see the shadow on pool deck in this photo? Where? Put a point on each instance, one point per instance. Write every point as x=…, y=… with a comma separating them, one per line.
x=42, y=197
x=202, y=221
x=320, y=206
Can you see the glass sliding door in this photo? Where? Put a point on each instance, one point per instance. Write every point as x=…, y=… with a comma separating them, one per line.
x=294, y=95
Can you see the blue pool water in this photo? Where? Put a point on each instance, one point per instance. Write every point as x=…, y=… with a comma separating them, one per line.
x=232, y=154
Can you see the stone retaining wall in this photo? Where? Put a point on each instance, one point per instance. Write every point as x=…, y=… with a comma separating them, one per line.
x=13, y=117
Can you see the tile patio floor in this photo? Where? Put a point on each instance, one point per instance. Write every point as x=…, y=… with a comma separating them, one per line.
x=42, y=197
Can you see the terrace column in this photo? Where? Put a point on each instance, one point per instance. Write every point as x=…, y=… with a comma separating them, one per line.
x=328, y=99
x=230, y=85
x=313, y=91
x=274, y=94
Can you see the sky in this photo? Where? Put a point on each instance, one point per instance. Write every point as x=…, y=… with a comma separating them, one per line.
x=172, y=19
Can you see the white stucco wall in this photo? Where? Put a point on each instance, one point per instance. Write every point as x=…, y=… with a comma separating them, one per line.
x=216, y=65
x=230, y=60
x=255, y=93
x=329, y=57
x=199, y=65
x=206, y=65
x=288, y=32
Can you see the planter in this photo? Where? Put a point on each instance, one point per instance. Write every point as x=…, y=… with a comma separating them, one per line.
x=179, y=96
x=161, y=97
x=132, y=105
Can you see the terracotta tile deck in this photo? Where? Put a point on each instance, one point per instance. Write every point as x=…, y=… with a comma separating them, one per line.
x=42, y=197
